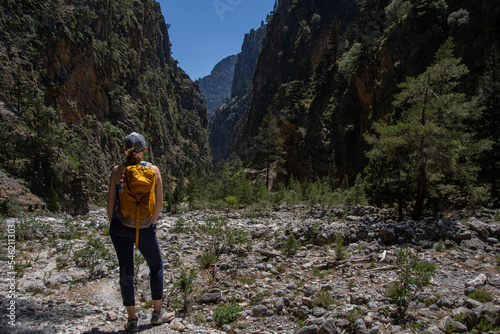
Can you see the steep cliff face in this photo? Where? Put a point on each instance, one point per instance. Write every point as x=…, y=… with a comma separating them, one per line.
x=298, y=35
x=247, y=61
x=100, y=70
x=221, y=126
x=216, y=87
x=328, y=69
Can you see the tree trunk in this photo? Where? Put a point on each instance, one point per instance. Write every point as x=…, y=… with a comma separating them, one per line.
x=421, y=185
x=400, y=197
x=268, y=166
x=422, y=176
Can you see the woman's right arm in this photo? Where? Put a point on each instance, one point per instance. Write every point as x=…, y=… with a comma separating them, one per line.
x=112, y=193
x=158, y=194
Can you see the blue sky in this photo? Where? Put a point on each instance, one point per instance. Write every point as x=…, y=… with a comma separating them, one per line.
x=203, y=32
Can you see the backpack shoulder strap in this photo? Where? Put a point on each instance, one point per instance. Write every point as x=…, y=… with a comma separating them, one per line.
x=121, y=168
x=148, y=164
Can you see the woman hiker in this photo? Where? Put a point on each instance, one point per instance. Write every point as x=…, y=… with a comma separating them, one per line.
x=123, y=234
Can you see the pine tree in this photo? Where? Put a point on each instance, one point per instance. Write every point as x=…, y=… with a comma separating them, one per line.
x=193, y=190
x=397, y=11
x=269, y=145
x=429, y=132
x=223, y=177
x=178, y=195
x=489, y=124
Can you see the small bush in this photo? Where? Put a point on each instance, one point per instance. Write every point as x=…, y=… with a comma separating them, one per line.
x=484, y=326
x=180, y=226
x=11, y=207
x=220, y=234
x=185, y=284
x=225, y=314
x=138, y=261
x=318, y=273
x=207, y=259
x=231, y=201
x=412, y=276
x=90, y=256
x=461, y=317
x=72, y=231
x=354, y=315
x=439, y=247
x=29, y=229
x=64, y=257
x=258, y=297
x=324, y=299
x=290, y=246
x=339, y=248
x=481, y=296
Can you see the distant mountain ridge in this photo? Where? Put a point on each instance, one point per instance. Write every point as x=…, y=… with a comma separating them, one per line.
x=221, y=126
x=216, y=87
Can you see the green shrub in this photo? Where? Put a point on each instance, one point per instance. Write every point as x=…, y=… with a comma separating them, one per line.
x=439, y=247
x=180, y=226
x=225, y=314
x=356, y=194
x=89, y=256
x=461, y=317
x=257, y=298
x=72, y=231
x=11, y=207
x=339, y=248
x=324, y=299
x=481, y=296
x=185, y=284
x=207, y=259
x=290, y=246
x=354, y=315
x=220, y=234
x=484, y=326
x=281, y=268
x=318, y=273
x=64, y=257
x=29, y=228
x=138, y=261
x=412, y=276
x=231, y=201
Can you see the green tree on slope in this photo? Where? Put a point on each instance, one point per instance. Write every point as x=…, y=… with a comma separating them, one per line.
x=489, y=125
x=429, y=136
x=269, y=145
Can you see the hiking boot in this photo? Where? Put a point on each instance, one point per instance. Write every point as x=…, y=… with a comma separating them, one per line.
x=159, y=317
x=131, y=325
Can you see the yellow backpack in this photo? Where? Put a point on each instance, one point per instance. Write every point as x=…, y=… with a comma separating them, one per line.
x=137, y=200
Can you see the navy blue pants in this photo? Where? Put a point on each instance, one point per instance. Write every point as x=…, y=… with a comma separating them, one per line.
x=123, y=238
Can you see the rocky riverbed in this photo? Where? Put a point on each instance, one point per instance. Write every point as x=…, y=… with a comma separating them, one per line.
x=333, y=276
